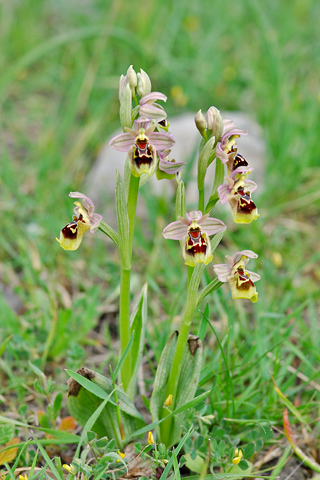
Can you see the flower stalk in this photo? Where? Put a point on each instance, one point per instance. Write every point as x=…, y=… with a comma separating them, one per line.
x=124, y=315
x=191, y=305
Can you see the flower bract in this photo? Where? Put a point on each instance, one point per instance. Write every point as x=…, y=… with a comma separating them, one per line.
x=194, y=231
x=240, y=279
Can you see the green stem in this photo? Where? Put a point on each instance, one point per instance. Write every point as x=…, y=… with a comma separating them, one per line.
x=126, y=370
x=190, y=272
x=124, y=320
x=201, y=199
x=173, y=381
x=132, y=206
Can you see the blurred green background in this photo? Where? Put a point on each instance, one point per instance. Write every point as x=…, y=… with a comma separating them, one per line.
x=60, y=65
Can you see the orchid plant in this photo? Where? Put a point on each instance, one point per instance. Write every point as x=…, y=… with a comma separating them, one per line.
x=147, y=142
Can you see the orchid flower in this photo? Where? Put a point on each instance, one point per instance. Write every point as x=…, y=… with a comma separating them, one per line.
x=241, y=281
x=228, y=139
x=84, y=219
x=194, y=231
x=238, y=193
x=142, y=145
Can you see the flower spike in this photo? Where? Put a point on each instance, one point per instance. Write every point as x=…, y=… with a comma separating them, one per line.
x=241, y=281
x=194, y=231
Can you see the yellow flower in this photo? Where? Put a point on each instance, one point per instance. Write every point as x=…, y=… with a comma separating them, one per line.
x=238, y=455
x=23, y=477
x=69, y=468
x=122, y=455
x=168, y=401
x=150, y=438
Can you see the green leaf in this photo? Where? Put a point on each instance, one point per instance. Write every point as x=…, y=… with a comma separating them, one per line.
x=218, y=177
x=138, y=324
x=36, y=370
x=211, y=202
x=123, y=223
x=48, y=460
x=57, y=404
x=175, y=466
x=211, y=287
x=125, y=353
x=177, y=450
x=165, y=176
x=203, y=324
x=83, y=402
x=216, y=239
x=249, y=450
x=243, y=465
x=181, y=200
x=163, y=371
x=194, y=464
x=61, y=436
x=6, y=433
x=126, y=107
x=105, y=228
x=4, y=344
x=207, y=154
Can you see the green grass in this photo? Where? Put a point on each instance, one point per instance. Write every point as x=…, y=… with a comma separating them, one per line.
x=60, y=66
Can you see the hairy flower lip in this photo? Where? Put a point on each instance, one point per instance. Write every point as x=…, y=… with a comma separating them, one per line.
x=240, y=279
x=194, y=231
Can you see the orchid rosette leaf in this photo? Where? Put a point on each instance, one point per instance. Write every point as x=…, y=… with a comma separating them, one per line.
x=84, y=219
x=194, y=231
x=240, y=279
x=83, y=402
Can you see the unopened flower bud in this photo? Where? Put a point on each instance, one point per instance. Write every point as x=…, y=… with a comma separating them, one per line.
x=132, y=79
x=144, y=83
x=201, y=123
x=126, y=108
x=214, y=122
x=150, y=438
x=168, y=401
x=122, y=85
